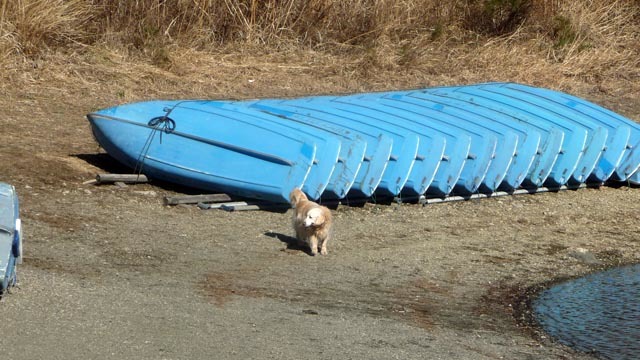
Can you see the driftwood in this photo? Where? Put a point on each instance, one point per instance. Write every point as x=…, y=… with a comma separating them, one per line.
x=248, y=207
x=195, y=199
x=207, y=206
x=125, y=178
x=243, y=206
x=240, y=207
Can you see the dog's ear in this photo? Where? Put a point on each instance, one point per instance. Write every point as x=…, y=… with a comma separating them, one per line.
x=320, y=219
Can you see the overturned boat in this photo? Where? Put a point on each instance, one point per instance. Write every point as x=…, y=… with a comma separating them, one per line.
x=10, y=237
x=439, y=141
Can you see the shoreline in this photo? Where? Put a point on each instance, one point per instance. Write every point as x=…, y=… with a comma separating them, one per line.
x=523, y=311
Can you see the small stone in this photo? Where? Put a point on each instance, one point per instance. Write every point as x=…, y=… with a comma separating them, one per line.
x=584, y=256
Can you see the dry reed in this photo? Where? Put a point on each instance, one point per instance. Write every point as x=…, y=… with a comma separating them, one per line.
x=467, y=40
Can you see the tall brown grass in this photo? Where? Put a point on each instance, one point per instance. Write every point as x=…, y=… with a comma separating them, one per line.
x=31, y=26
x=585, y=35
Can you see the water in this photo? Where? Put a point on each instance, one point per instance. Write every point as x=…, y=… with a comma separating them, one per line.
x=599, y=313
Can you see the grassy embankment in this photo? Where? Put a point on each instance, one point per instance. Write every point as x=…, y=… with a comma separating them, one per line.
x=289, y=47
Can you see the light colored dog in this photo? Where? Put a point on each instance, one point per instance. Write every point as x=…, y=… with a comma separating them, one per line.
x=312, y=222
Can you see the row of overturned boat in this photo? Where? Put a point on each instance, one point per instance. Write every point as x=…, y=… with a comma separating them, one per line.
x=436, y=142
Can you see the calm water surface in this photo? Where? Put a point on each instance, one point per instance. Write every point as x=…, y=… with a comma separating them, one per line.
x=599, y=313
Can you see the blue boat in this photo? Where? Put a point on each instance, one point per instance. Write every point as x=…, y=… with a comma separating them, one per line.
x=481, y=150
x=435, y=141
x=528, y=145
x=551, y=138
x=216, y=151
x=346, y=165
x=619, y=160
x=439, y=116
x=431, y=146
x=429, y=155
x=597, y=135
x=575, y=138
x=406, y=143
x=379, y=146
x=369, y=154
x=10, y=236
x=447, y=167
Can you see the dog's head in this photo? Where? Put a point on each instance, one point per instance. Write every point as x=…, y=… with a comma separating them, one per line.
x=296, y=196
x=315, y=217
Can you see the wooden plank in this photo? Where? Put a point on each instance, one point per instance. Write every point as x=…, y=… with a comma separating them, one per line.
x=246, y=207
x=249, y=207
x=125, y=178
x=196, y=199
x=207, y=206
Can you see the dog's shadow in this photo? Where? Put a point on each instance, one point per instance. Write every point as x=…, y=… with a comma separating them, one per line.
x=290, y=241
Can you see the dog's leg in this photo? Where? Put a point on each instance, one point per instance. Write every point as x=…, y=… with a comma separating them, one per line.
x=313, y=245
x=302, y=237
x=323, y=245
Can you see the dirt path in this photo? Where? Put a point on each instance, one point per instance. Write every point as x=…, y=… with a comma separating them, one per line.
x=113, y=273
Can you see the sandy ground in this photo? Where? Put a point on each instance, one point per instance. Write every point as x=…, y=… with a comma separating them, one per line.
x=111, y=272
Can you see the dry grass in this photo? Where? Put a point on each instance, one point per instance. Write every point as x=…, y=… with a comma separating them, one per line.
x=605, y=39
x=30, y=27
x=353, y=45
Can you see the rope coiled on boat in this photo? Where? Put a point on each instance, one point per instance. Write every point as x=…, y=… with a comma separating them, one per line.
x=163, y=124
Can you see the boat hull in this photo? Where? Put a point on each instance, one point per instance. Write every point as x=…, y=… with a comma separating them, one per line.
x=209, y=151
